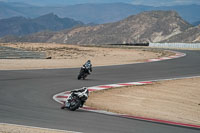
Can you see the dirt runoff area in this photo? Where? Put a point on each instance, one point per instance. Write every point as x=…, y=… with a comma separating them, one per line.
x=173, y=100
x=9, y=128
x=68, y=56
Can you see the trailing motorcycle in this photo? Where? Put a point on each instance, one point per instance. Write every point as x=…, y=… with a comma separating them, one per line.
x=83, y=73
x=76, y=99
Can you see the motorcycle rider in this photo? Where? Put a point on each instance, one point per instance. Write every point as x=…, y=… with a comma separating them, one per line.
x=79, y=90
x=82, y=90
x=88, y=66
x=75, y=91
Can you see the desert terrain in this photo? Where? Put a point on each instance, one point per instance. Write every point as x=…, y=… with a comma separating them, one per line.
x=172, y=100
x=68, y=56
x=9, y=128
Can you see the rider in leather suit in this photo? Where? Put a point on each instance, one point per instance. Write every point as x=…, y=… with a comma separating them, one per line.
x=80, y=90
x=88, y=66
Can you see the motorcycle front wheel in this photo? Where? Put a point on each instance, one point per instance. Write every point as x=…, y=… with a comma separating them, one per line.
x=79, y=77
x=75, y=104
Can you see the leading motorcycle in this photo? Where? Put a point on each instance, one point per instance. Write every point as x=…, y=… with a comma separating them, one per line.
x=83, y=73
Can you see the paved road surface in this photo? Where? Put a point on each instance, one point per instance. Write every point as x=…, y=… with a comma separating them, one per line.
x=26, y=96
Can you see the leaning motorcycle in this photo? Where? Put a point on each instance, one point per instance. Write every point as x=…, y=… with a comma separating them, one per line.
x=76, y=100
x=83, y=73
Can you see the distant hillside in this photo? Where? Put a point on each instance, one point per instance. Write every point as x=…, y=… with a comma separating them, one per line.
x=191, y=35
x=24, y=26
x=154, y=26
x=8, y=10
x=94, y=13
x=37, y=37
x=196, y=23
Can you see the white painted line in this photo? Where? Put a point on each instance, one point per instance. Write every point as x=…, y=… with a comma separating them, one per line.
x=95, y=88
x=114, y=85
x=135, y=83
x=154, y=60
x=165, y=58
x=176, y=78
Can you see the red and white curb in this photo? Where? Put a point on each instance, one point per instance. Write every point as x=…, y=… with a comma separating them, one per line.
x=177, y=55
x=141, y=118
x=61, y=97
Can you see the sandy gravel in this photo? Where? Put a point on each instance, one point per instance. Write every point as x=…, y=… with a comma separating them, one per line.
x=68, y=56
x=174, y=100
x=8, y=128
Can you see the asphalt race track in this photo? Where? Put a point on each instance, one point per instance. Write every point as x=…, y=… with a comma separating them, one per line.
x=26, y=96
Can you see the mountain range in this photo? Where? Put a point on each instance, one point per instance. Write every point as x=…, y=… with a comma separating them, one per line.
x=94, y=13
x=151, y=26
x=24, y=26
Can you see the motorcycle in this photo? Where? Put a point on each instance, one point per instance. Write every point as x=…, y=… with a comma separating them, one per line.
x=83, y=73
x=76, y=99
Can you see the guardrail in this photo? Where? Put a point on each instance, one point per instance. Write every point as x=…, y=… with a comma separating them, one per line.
x=175, y=45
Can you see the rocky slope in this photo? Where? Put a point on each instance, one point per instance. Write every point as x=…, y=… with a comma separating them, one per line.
x=153, y=26
x=191, y=35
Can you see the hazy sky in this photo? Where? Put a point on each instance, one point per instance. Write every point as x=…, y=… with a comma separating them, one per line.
x=136, y=2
